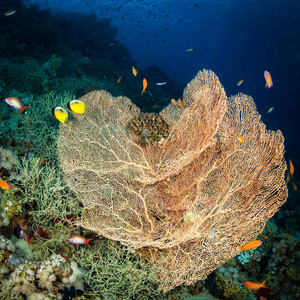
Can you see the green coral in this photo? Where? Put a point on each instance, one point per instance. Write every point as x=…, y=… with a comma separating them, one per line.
x=55, y=62
x=53, y=205
x=38, y=127
x=115, y=273
x=24, y=76
x=231, y=289
x=293, y=271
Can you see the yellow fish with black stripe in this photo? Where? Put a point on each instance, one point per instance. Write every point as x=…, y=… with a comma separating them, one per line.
x=76, y=106
x=60, y=114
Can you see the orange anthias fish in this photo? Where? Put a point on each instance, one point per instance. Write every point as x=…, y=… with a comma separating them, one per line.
x=240, y=82
x=180, y=102
x=119, y=79
x=79, y=240
x=144, y=85
x=294, y=187
x=134, y=71
x=252, y=245
x=241, y=139
x=292, y=169
x=288, y=177
x=268, y=78
x=4, y=185
x=255, y=286
x=15, y=103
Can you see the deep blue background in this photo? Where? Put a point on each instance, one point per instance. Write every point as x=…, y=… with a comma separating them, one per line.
x=235, y=39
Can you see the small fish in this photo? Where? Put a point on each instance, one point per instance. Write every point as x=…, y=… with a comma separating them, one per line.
x=173, y=101
x=9, y=13
x=240, y=82
x=79, y=240
x=77, y=106
x=4, y=185
x=294, y=186
x=111, y=44
x=60, y=114
x=161, y=83
x=241, y=139
x=292, y=169
x=265, y=236
x=255, y=286
x=270, y=109
x=134, y=71
x=144, y=85
x=155, y=105
x=268, y=78
x=288, y=177
x=252, y=245
x=180, y=103
x=15, y=103
x=119, y=79
x=190, y=49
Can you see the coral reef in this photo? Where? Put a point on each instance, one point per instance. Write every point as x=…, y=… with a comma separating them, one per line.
x=149, y=127
x=34, y=279
x=140, y=195
x=8, y=160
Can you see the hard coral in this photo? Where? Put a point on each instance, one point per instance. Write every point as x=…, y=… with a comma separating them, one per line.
x=149, y=127
x=8, y=160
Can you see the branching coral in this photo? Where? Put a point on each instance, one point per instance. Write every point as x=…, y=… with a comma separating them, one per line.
x=53, y=204
x=39, y=127
x=114, y=273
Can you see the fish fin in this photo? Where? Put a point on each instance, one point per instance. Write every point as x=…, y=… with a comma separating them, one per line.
x=22, y=108
x=87, y=242
x=264, y=284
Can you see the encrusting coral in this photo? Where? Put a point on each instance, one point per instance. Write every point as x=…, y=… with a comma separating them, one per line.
x=8, y=160
x=184, y=204
x=41, y=278
x=149, y=128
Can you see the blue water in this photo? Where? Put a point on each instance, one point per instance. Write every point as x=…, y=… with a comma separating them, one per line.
x=235, y=39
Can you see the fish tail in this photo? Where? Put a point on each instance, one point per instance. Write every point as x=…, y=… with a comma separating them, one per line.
x=87, y=242
x=22, y=108
x=264, y=284
x=240, y=248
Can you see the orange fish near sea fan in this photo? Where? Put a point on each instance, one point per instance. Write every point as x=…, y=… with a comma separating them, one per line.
x=144, y=85
x=268, y=78
x=252, y=245
x=4, y=185
x=292, y=169
x=241, y=139
x=254, y=286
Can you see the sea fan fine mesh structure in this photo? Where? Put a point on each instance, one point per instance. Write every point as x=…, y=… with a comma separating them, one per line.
x=183, y=203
